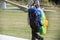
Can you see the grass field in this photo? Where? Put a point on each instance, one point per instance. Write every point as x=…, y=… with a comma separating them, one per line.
x=53, y=32
x=14, y=23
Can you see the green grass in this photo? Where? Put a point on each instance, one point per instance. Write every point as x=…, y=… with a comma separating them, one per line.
x=53, y=32
x=14, y=23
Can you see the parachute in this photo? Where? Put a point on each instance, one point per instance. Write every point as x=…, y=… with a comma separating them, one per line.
x=43, y=29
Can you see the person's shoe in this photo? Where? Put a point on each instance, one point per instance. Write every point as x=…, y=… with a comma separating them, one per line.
x=40, y=39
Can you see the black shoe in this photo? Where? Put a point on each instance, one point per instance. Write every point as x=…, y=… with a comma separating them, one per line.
x=40, y=38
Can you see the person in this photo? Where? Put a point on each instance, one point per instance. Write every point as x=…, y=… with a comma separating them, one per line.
x=34, y=21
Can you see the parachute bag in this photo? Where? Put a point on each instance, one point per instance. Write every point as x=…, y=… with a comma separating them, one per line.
x=43, y=29
x=40, y=30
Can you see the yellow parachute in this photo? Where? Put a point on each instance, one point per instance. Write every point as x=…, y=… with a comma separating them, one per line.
x=43, y=29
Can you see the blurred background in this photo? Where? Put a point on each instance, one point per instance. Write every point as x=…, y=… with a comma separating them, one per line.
x=13, y=20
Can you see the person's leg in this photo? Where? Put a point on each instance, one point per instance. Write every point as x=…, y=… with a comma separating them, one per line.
x=36, y=36
x=41, y=38
x=33, y=35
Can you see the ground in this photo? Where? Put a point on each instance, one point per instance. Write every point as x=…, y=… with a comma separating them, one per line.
x=14, y=23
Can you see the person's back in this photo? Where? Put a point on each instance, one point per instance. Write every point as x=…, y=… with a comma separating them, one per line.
x=32, y=18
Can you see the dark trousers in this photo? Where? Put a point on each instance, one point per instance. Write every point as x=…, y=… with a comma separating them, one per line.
x=36, y=36
x=34, y=28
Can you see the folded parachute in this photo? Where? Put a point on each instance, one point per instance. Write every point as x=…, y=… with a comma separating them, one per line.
x=43, y=29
